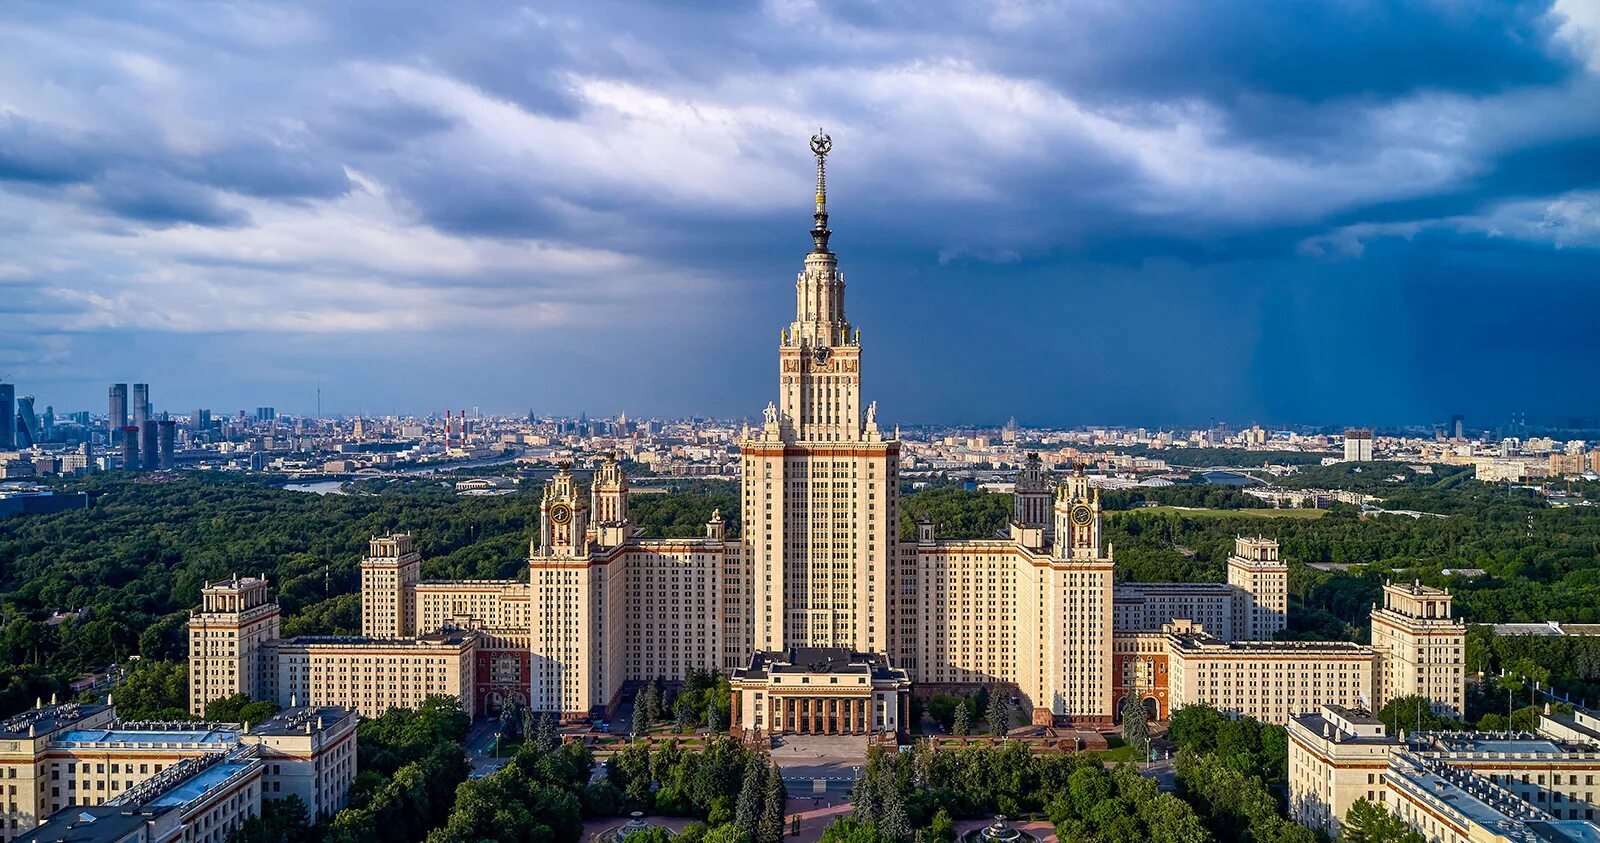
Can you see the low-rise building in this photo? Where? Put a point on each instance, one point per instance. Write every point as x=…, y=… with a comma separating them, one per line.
x=1270, y=681
x=69, y=757
x=1439, y=782
x=819, y=691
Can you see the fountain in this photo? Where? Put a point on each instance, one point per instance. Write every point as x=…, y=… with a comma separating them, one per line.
x=998, y=831
x=634, y=825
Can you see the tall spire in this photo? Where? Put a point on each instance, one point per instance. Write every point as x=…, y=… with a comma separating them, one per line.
x=821, y=145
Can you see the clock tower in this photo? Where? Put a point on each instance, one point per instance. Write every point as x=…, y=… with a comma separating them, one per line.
x=563, y=518
x=1077, y=519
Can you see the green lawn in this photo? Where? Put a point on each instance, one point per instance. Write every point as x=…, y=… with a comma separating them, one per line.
x=1232, y=513
x=1119, y=751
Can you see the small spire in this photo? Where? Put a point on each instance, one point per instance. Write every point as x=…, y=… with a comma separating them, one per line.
x=821, y=145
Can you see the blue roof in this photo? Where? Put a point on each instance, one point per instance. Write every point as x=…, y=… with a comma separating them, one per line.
x=1534, y=745
x=198, y=785
x=143, y=736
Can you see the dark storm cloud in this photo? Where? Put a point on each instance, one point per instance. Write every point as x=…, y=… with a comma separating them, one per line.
x=1270, y=181
x=33, y=152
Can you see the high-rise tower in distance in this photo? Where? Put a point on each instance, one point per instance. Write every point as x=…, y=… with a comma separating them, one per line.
x=27, y=423
x=117, y=415
x=141, y=404
x=8, y=421
x=819, y=479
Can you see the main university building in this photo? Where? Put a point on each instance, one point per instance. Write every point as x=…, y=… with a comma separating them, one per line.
x=823, y=617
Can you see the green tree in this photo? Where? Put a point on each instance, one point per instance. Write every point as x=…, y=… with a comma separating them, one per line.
x=280, y=821
x=849, y=829
x=683, y=712
x=653, y=834
x=747, y=810
x=1415, y=713
x=893, y=821
x=239, y=708
x=942, y=829
x=545, y=736
x=1135, y=728
x=1370, y=822
x=775, y=798
x=511, y=718
x=154, y=690
x=726, y=833
x=961, y=720
x=999, y=714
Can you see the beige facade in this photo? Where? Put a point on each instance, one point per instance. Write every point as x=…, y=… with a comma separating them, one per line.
x=1260, y=581
x=1145, y=607
x=69, y=757
x=819, y=691
x=236, y=617
x=368, y=675
x=441, y=605
x=818, y=478
x=1337, y=756
x=1451, y=786
x=1271, y=681
x=388, y=574
x=1421, y=648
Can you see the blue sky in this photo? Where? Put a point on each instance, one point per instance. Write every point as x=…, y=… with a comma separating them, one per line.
x=1079, y=212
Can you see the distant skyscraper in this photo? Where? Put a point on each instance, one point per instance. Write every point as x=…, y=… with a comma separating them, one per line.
x=141, y=404
x=1458, y=426
x=266, y=414
x=47, y=426
x=167, y=442
x=1358, y=446
x=8, y=419
x=150, y=445
x=129, y=437
x=117, y=418
x=199, y=421
x=27, y=423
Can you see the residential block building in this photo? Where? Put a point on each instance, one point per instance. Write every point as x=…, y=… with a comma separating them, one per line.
x=1453, y=787
x=64, y=759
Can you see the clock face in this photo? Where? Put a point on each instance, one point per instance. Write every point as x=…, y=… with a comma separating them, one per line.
x=561, y=514
x=820, y=355
x=1082, y=515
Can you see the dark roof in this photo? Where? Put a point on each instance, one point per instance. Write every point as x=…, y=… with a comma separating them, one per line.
x=830, y=660
x=293, y=720
x=447, y=637
x=90, y=824
x=46, y=720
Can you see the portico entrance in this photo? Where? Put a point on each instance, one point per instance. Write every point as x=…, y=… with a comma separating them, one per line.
x=841, y=715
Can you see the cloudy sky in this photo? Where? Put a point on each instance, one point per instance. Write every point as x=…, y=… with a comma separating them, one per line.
x=1093, y=211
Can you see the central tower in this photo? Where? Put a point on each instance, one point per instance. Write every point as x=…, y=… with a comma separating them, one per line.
x=819, y=478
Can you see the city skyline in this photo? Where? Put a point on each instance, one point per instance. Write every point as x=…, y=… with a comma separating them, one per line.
x=426, y=215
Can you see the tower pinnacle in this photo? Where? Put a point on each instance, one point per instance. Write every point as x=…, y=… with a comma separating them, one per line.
x=821, y=145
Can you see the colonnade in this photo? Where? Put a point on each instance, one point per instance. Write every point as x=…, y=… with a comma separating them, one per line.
x=823, y=715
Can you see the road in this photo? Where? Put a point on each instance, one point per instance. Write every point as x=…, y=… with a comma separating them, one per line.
x=480, y=739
